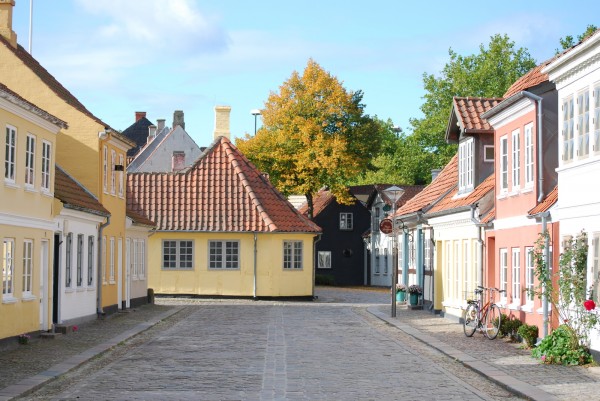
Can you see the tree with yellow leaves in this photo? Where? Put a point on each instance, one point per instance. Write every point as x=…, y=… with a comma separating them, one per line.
x=314, y=135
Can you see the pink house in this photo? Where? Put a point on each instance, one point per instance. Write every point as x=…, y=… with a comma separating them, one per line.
x=525, y=160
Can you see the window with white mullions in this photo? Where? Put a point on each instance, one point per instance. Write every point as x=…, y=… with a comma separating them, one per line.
x=346, y=222
x=90, y=261
x=465, y=164
x=324, y=259
x=567, y=129
x=223, y=254
x=503, y=271
x=596, y=119
x=516, y=274
x=8, y=266
x=46, y=157
x=30, y=161
x=595, y=278
x=10, y=154
x=178, y=254
x=68, y=260
x=79, y=265
x=504, y=164
x=292, y=254
x=516, y=159
x=27, y=267
x=529, y=273
x=583, y=123
x=529, y=155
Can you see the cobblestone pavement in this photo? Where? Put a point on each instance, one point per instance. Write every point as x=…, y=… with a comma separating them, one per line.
x=342, y=346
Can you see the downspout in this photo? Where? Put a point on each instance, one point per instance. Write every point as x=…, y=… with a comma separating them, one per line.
x=479, y=226
x=255, y=264
x=540, y=161
x=315, y=264
x=99, y=310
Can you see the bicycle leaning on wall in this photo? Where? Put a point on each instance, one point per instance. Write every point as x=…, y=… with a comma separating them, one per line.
x=484, y=316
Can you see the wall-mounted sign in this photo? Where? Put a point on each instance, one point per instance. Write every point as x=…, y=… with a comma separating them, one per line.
x=386, y=226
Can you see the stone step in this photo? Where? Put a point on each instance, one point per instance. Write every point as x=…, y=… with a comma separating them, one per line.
x=49, y=336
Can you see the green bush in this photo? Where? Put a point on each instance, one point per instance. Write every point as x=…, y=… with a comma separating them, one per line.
x=508, y=326
x=562, y=348
x=529, y=333
x=514, y=325
x=324, y=279
x=503, y=330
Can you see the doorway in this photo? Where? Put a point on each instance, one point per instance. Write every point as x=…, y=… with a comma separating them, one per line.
x=56, y=278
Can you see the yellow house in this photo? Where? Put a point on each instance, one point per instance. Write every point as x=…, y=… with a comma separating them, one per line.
x=223, y=230
x=27, y=146
x=92, y=152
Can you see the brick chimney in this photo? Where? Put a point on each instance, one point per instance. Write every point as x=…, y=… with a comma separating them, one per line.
x=138, y=114
x=160, y=125
x=178, y=119
x=177, y=160
x=222, y=121
x=6, y=14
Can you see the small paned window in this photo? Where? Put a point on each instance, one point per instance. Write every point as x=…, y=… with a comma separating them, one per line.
x=292, y=254
x=178, y=254
x=346, y=222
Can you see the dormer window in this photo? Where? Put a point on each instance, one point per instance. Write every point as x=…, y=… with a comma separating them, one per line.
x=465, y=166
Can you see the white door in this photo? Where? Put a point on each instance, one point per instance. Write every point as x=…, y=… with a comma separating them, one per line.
x=44, y=286
x=128, y=260
x=120, y=273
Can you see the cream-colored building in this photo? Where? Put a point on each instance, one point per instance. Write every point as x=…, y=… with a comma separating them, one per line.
x=27, y=153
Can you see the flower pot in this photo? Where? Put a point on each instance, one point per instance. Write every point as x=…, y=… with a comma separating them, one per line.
x=400, y=296
x=414, y=299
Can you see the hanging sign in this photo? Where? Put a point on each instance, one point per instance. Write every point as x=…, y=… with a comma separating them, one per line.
x=386, y=226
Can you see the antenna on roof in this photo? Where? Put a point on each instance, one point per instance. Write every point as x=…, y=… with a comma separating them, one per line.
x=30, y=23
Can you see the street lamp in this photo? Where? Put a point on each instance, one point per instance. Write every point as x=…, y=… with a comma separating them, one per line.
x=255, y=113
x=394, y=193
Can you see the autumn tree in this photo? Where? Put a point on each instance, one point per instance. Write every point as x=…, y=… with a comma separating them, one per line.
x=314, y=134
x=488, y=73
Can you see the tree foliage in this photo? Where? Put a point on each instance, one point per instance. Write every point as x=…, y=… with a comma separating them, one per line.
x=488, y=73
x=568, y=41
x=314, y=134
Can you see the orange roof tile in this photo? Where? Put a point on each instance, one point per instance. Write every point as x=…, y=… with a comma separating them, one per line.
x=451, y=201
x=532, y=78
x=74, y=195
x=468, y=111
x=320, y=201
x=222, y=192
x=547, y=203
x=488, y=217
x=444, y=182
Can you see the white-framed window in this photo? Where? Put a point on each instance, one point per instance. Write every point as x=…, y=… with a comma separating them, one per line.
x=529, y=273
x=79, y=261
x=595, y=279
x=8, y=267
x=27, y=267
x=377, y=261
x=567, y=129
x=103, y=258
x=503, y=271
x=466, y=276
x=488, y=153
x=583, y=123
x=465, y=165
x=10, y=154
x=121, y=175
x=400, y=252
x=448, y=268
x=346, y=221
x=90, y=261
x=141, y=258
x=105, y=169
x=292, y=255
x=456, y=269
x=427, y=253
x=46, y=166
x=111, y=260
x=223, y=254
x=178, y=254
x=68, y=260
x=529, y=155
x=324, y=259
x=516, y=274
x=516, y=159
x=596, y=118
x=504, y=164
x=113, y=173
x=30, y=161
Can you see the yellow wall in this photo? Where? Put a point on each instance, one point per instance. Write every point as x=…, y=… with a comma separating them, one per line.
x=272, y=280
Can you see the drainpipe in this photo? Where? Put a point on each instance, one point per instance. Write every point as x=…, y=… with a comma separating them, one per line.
x=315, y=264
x=99, y=309
x=540, y=161
x=255, y=264
x=479, y=226
x=545, y=313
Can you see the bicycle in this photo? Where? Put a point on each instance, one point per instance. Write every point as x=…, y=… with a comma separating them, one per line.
x=486, y=317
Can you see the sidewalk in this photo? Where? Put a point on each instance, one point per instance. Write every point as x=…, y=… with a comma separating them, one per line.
x=505, y=363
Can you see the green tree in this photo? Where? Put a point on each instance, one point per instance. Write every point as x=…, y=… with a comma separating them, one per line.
x=314, y=134
x=568, y=41
x=488, y=73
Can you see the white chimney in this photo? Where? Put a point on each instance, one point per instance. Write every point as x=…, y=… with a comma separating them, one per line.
x=160, y=125
x=434, y=173
x=151, y=133
x=222, y=121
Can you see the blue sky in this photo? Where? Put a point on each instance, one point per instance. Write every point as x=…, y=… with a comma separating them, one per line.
x=122, y=56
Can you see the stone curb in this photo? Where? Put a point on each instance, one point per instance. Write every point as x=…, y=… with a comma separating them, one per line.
x=512, y=384
x=32, y=383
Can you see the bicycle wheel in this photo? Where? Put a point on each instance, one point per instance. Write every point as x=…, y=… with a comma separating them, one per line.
x=492, y=322
x=470, y=320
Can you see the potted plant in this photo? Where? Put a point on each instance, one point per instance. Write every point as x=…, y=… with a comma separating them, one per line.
x=414, y=291
x=23, y=338
x=400, y=292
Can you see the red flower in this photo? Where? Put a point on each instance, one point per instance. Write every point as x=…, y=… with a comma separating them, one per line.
x=589, y=304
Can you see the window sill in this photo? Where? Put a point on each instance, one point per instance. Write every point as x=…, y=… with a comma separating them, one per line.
x=11, y=184
x=69, y=290
x=111, y=282
x=502, y=303
x=9, y=300
x=30, y=188
x=515, y=305
x=528, y=188
x=81, y=289
x=540, y=311
x=527, y=308
x=28, y=298
x=503, y=195
x=47, y=193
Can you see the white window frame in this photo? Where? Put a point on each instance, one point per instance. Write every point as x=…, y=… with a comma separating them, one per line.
x=181, y=254
x=30, y=161
x=486, y=148
x=567, y=130
x=456, y=269
x=10, y=154
x=504, y=164
x=516, y=159
x=516, y=274
x=8, y=269
x=324, y=259
x=529, y=155
x=595, y=271
x=465, y=165
x=121, y=175
x=596, y=119
x=105, y=169
x=224, y=254
x=90, y=261
x=113, y=173
x=292, y=254
x=529, y=274
x=79, y=261
x=103, y=258
x=583, y=124
x=448, y=268
x=46, y=170
x=27, y=268
x=346, y=221
x=141, y=259
x=111, y=262
x=69, y=260
x=466, y=268
x=503, y=263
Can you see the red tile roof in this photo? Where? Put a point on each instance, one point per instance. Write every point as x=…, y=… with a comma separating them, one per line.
x=488, y=217
x=139, y=219
x=321, y=200
x=547, y=203
x=73, y=195
x=222, y=192
x=444, y=182
x=468, y=111
x=451, y=201
x=532, y=78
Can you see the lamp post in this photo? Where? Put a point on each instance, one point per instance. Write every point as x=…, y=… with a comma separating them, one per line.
x=255, y=113
x=394, y=193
